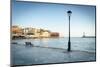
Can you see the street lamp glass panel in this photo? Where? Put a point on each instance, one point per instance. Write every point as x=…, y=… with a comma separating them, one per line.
x=69, y=13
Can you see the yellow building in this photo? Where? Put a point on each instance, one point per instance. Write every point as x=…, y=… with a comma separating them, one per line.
x=45, y=33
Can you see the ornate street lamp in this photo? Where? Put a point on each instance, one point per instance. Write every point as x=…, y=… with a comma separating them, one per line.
x=69, y=42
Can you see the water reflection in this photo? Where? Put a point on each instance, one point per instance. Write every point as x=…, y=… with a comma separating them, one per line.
x=84, y=44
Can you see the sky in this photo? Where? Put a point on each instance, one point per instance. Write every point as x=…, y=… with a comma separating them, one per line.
x=54, y=17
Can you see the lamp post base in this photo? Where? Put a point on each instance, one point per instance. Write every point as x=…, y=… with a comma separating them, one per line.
x=69, y=44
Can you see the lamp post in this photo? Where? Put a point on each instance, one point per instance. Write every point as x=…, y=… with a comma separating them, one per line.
x=69, y=43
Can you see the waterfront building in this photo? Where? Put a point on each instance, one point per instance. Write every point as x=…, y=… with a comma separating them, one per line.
x=30, y=32
x=54, y=34
x=16, y=30
x=45, y=33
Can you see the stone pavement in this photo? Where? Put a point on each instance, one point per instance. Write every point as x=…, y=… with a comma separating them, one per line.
x=22, y=55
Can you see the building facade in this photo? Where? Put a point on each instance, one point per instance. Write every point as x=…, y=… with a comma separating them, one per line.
x=30, y=32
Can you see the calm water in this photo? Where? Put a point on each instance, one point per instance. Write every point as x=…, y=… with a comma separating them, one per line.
x=83, y=44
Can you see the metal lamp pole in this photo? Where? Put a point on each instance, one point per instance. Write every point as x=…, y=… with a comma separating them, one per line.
x=69, y=42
